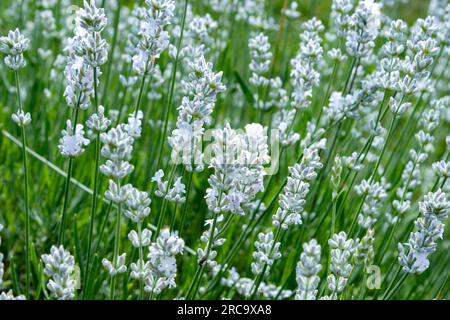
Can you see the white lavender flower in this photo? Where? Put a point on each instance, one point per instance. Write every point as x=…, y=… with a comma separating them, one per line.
x=365, y=25
x=117, y=194
x=200, y=35
x=283, y=120
x=340, y=15
x=340, y=108
x=91, y=18
x=238, y=168
x=351, y=162
x=134, y=125
x=304, y=74
x=72, y=142
x=292, y=12
x=294, y=193
x=117, y=147
x=13, y=46
x=413, y=255
x=175, y=194
x=140, y=270
x=98, y=122
x=195, y=111
x=92, y=48
x=10, y=296
x=261, y=58
x=145, y=238
x=153, y=39
x=364, y=252
x=374, y=193
x=267, y=251
x=442, y=169
x=307, y=270
x=21, y=118
x=118, y=268
x=279, y=96
x=244, y=285
x=253, y=12
x=137, y=205
x=162, y=262
x=210, y=235
x=59, y=265
x=341, y=267
x=411, y=176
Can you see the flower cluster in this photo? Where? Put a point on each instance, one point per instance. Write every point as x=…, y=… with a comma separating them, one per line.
x=137, y=205
x=13, y=46
x=202, y=87
x=117, y=266
x=117, y=148
x=304, y=74
x=87, y=51
x=261, y=58
x=364, y=252
x=340, y=16
x=373, y=194
x=364, y=27
x=307, y=270
x=238, y=176
x=411, y=174
x=72, y=142
x=162, y=262
x=59, y=265
x=175, y=194
x=98, y=122
x=253, y=12
x=238, y=168
x=10, y=296
x=153, y=39
x=244, y=285
x=293, y=198
x=267, y=251
x=341, y=267
x=413, y=255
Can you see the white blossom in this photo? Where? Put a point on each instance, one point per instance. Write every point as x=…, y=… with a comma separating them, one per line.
x=59, y=266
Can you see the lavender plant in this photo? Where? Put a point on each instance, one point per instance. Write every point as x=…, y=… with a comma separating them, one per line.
x=224, y=149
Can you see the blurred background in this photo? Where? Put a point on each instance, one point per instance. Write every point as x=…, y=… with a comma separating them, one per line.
x=408, y=10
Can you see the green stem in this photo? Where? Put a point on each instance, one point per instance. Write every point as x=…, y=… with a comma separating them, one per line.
x=26, y=194
x=193, y=288
x=141, y=88
x=94, y=193
x=383, y=150
x=27, y=215
x=93, y=211
x=67, y=184
x=185, y=206
x=162, y=214
x=141, y=260
x=116, y=245
x=66, y=200
x=392, y=232
x=396, y=287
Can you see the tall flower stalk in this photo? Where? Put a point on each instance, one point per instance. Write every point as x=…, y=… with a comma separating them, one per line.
x=13, y=46
x=94, y=51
